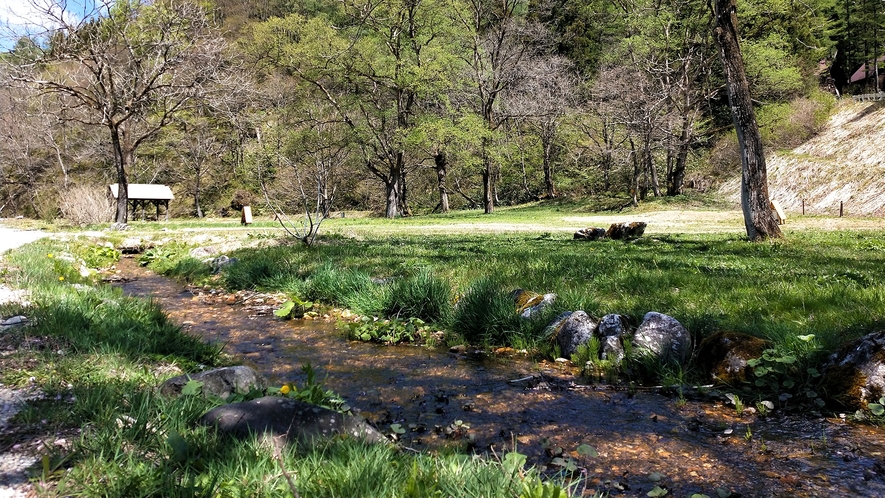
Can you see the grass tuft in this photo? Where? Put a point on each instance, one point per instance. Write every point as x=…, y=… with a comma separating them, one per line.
x=423, y=296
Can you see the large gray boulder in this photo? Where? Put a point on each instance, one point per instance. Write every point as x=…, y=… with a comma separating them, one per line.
x=572, y=331
x=220, y=382
x=612, y=325
x=286, y=420
x=662, y=336
x=855, y=375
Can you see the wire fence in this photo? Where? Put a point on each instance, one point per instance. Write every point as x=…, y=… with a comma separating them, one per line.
x=869, y=97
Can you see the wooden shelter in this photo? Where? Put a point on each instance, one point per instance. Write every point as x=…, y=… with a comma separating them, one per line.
x=142, y=194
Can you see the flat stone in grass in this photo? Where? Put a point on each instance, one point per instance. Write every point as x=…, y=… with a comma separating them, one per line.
x=220, y=382
x=529, y=304
x=662, y=336
x=623, y=231
x=287, y=420
x=590, y=233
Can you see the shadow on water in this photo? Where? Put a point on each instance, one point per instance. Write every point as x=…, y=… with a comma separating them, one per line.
x=643, y=439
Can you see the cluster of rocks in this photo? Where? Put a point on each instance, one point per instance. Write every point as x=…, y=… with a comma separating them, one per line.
x=617, y=231
x=852, y=377
x=658, y=335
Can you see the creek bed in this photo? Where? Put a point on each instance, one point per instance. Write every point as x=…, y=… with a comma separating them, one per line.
x=643, y=439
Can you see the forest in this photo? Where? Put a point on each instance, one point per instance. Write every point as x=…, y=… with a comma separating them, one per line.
x=404, y=107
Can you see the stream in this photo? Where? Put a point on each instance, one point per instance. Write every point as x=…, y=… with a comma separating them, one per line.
x=644, y=439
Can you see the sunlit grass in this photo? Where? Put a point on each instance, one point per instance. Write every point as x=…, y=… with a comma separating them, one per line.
x=98, y=356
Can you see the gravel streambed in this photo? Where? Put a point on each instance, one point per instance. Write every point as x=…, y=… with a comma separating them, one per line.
x=16, y=462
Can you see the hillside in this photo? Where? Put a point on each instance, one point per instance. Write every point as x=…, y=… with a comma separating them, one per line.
x=845, y=163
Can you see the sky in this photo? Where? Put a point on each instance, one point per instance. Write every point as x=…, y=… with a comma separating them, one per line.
x=20, y=17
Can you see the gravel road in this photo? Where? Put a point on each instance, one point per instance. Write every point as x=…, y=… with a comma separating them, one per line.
x=14, y=463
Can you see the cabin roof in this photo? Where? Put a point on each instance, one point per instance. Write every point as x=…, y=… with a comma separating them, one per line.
x=861, y=73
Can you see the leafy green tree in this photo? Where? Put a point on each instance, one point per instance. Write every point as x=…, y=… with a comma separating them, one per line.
x=502, y=42
x=373, y=72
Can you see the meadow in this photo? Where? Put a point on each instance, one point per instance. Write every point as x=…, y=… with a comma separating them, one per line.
x=86, y=346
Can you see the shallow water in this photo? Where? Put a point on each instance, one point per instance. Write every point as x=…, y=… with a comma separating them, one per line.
x=644, y=439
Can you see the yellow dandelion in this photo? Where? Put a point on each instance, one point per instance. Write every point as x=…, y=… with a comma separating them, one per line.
x=49, y=255
x=61, y=278
x=285, y=389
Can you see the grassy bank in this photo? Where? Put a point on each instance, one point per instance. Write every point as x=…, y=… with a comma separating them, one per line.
x=807, y=294
x=103, y=430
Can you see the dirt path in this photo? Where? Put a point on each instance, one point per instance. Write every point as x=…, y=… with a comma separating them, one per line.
x=14, y=463
x=644, y=439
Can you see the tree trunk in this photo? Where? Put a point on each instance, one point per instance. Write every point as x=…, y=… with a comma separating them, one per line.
x=652, y=172
x=122, y=158
x=676, y=177
x=441, y=162
x=404, y=195
x=758, y=217
x=548, y=169
x=634, y=182
x=197, y=210
x=488, y=186
x=392, y=184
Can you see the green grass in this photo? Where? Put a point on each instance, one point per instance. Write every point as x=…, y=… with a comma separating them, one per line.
x=98, y=357
x=827, y=283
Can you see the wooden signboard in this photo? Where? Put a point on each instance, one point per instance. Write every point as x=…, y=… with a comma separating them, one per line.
x=779, y=212
x=247, y=215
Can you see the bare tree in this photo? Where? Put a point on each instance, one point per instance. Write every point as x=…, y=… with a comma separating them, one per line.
x=129, y=67
x=546, y=92
x=759, y=219
x=501, y=42
x=199, y=150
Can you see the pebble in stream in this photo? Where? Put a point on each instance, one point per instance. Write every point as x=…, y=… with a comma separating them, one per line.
x=643, y=439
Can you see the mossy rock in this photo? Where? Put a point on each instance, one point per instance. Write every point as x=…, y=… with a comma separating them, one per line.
x=525, y=299
x=854, y=376
x=725, y=355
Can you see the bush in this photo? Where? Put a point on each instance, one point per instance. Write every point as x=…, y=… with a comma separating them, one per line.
x=420, y=296
x=240, y=199
x=85, y=205
x=190, y=270
x=788, y=125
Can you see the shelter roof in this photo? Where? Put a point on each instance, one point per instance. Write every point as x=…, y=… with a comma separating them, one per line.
x=861, y=73
x=145, y=192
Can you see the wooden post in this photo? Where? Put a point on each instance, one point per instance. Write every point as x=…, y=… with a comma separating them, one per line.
x=841, y=210
x=803, y=207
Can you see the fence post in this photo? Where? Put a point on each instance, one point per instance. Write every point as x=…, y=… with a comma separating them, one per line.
x=840, y=209
x=803, y=207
